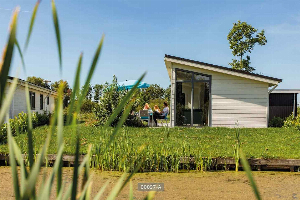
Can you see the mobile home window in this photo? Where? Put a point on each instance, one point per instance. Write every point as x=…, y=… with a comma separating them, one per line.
x=32, y=100
x=48, y=100
x=41, y=102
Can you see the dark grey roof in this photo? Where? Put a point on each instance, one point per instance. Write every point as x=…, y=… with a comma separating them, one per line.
x=288, y=91
x=11, y=78
x=225, y=68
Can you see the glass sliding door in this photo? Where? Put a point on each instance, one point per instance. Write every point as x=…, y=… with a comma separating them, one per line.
x=183, y=103
x=192, y=98
x=200, y=103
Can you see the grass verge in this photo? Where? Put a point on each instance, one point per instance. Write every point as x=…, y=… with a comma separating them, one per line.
x=205, y=142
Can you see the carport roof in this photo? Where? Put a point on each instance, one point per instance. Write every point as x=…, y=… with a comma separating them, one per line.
x=223, y=68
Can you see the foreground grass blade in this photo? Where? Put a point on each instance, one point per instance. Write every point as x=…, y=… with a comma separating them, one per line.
x=247, y=169
x=131, y=191
x=57, y=32
x=90, y=74
x=6, y=104
x=30, y=182
x=60, y=125
x=124, y=101
x=46, y=190
x=75, y=172
x=12, y=160
x=100, y=193
x=115, y=191
x=150, y=195
x=20, y=160
x=21, y=55
x=85, y=189
x=29, y=131
x=82, y=165
x=8, y=53
x=75, y=90
x=121, y=183
x=31, y=24
x=120, y=123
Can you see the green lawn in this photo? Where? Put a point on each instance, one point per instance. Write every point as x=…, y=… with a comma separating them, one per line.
x=204, y=142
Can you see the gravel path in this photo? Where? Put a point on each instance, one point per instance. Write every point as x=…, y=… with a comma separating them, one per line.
x=192, y=185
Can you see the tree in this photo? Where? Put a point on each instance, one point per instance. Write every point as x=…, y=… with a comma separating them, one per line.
x=98, y=91
x=242, y=39
x=89, y=94
x=67, y=91
x=167, y=95
x=38, y=81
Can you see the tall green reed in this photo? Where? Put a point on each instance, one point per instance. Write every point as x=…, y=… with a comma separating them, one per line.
x=237, y=146
x=25, y=187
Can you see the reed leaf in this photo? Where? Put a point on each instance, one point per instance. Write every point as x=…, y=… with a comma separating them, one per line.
x=124, y=101
x=150, y=195
x=75, y=90
x=30, y=182
x=46, y=189
x=75, y=172
x=247, y=169
x=12, y=160
x=85, y=189
x=7, y=101
x=120, y=123
x=90, y=74
x=29, y=130
x=31, y=24
x=131, y=191
x=60, y=125
x=100, y=193
x=57, y=33
x=60, y=194
x=8, y=53
x=121, y=183
x=21, y=55
x=19, y=158
x=116, y=189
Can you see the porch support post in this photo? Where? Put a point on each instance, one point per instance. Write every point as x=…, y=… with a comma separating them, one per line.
x=192, y=101
x=295, y=105
x=173, y=97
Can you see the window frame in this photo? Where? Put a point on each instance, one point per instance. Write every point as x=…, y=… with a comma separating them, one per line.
x=32, y=100
x=41, y=102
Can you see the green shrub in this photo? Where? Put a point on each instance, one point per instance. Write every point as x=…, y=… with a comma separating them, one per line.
x=293, y=122
x=88, y=106
x=19, y=124
x=276, y=122
x=110, y=100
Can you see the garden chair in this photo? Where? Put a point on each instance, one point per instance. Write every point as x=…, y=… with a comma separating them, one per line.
x=165, y=119
x=145, y=116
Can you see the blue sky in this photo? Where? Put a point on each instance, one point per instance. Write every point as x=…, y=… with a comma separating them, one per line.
x=139, y=33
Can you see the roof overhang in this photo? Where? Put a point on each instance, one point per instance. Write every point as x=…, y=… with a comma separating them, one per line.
x=33, y=86
x=169, y=60
x=287, y=91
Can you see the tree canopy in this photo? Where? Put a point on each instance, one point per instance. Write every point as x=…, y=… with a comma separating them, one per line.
x=242, y=39
x=38, y=81
x=67, y=90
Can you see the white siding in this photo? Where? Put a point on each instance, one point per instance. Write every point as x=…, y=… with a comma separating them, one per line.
x=18, y=103
x=236, y=99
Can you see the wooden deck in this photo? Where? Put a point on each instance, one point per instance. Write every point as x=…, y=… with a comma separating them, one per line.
x=216, y=163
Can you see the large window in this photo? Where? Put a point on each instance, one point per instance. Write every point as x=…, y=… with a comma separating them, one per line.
x=192, y=98
x=32, y=100
x=41, y=102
